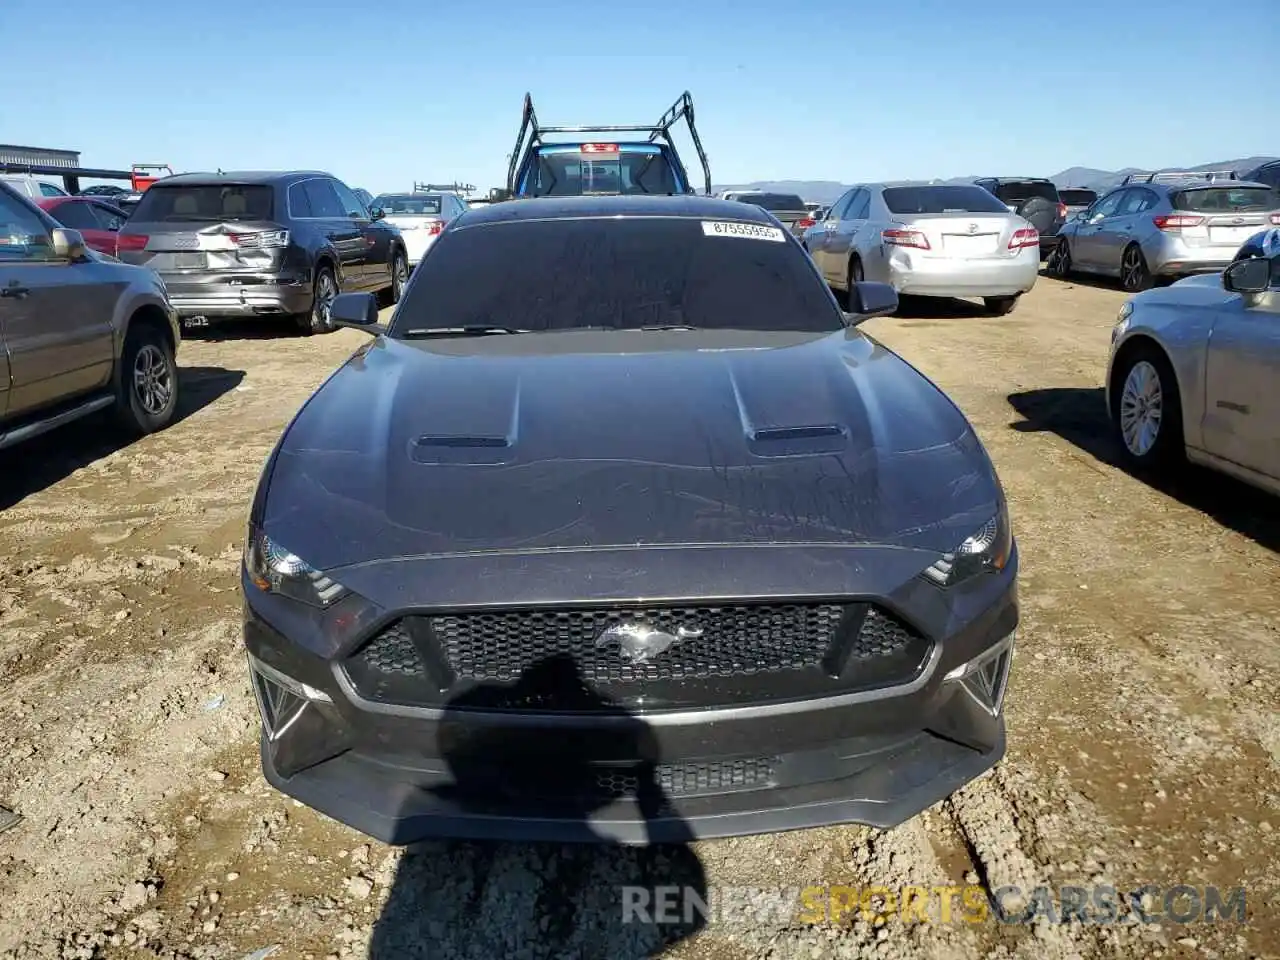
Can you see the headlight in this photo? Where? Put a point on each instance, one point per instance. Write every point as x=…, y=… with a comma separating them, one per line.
x=273, y=569
x=1122, y=322
x=987, y=549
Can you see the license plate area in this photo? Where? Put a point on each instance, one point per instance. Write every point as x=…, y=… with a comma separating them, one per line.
x=190, y=261
x=964, y=245
x=1231, y=234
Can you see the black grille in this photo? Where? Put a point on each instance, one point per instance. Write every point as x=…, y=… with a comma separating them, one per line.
x=736, y=654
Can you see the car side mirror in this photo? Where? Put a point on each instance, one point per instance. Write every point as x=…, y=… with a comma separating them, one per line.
x=358, y=311
x=68, y=244
x=868, y=299
x=1247, y=276
x=377, y=213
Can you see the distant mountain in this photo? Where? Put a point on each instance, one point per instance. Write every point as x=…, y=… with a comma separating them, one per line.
x=828, y=191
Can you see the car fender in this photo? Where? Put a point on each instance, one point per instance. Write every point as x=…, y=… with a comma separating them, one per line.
x=1181, y=331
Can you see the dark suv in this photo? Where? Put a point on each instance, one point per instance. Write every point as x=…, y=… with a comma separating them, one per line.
x=262, y=245
x=1036, y=200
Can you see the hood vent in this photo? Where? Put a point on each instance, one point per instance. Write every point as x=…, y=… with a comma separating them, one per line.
x=797, y=441
x=460, y=448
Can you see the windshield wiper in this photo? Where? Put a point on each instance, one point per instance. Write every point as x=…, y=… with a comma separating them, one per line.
x=473, y=330
x=666, y=326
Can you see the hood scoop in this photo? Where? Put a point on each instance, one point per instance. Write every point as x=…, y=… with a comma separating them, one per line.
x=460, y=448
x=798, y=441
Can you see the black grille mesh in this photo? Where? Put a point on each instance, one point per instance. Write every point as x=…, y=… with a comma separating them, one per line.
x=743, y=654
x=736, y=641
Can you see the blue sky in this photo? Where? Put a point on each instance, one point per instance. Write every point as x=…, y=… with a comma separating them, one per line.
x=388, y=92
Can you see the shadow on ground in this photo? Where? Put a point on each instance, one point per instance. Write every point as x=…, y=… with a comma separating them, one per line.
x=1079, y=416
x=30, y=467
x=941, y=308
x=543, y=899
x=223, y=331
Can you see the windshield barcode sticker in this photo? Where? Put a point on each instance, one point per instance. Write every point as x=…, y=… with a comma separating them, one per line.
x=751, y=231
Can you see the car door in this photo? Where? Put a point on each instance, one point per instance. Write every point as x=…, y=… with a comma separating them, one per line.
x=1123, y=227
x=817, y=238
x=1086, y=243
x=836, y=247
x=341, y=231
x=55, y=315
x=375, y=267
x=1242, y=370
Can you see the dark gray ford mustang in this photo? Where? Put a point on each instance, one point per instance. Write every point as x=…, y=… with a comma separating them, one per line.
x=622, y=531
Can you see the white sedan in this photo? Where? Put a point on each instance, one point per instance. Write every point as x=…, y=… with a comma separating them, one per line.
x=420, y=217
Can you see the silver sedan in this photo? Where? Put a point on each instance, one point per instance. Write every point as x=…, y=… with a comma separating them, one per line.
x=1194, y=366
x=940, y=240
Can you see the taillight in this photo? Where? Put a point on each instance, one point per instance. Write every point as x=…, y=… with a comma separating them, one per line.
x=599, y=148
x=1176, y=222
x=905, y=238
x=1024, y=237
x=270, y=238
x=806, y=223
x=436, y=228
x=1062, y=211
x=131, y=242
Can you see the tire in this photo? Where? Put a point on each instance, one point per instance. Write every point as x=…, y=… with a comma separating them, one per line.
x=855, y=274
x=147, y=387
x=1040, y=213
x=1060, y=260
x=1143, y=381
x=1135, y=275
x=1000, y=306
x=399, y=276
x=323, y=290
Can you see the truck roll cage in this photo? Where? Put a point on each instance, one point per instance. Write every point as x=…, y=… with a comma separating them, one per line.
x=531, y=136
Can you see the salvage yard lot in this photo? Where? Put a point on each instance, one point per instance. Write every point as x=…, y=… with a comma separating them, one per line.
x=1144, y=722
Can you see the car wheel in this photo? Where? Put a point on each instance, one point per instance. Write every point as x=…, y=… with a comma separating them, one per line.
x=399, y=276
x=1146, y=408
x=324, y=291
x=1000, y=306
x=1060, y=260
x=855, y=275
x=147, y=391
x=1135, y=276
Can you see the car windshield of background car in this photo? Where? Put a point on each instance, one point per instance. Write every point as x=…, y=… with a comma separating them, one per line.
x=906, y=201
x=613, y=273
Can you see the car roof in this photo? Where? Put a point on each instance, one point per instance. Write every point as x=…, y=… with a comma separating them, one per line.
x=1177, y=186
x=239, y=177
x=688, y=206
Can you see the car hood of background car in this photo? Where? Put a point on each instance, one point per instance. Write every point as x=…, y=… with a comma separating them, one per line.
x=574, y=439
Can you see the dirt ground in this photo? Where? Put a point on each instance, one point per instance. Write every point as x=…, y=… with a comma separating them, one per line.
x=1144, y=732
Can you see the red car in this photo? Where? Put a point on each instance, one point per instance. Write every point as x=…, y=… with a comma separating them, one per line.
x=96, y=219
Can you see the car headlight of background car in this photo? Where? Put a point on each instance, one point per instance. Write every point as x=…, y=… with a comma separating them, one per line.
x=274, y=569
x=987, y=549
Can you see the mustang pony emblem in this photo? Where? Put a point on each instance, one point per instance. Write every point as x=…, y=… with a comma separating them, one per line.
x=640, y=643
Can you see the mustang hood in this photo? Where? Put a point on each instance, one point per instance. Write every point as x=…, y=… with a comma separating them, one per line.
x=561, y=440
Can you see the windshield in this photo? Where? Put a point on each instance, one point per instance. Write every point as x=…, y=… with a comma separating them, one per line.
x=617, y=274
x=941, y=199
x=1015, y=191
x=1077, y=198
x=401, y=204
x=773, y=201
x=1226, y=200
x=573, y=174
x=232, y=201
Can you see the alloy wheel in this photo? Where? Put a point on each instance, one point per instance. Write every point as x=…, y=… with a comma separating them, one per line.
x=152, y=380
x=1141, y=408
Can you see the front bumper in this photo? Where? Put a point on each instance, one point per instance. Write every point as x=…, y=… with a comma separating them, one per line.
x=238, y=295
x=403, y=774
x=916, y=275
